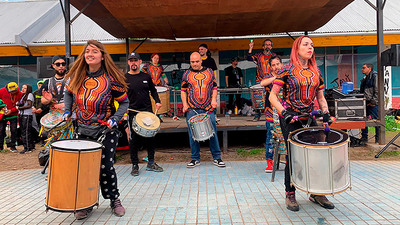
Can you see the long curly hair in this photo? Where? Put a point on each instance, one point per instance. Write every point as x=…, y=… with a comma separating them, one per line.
x=78, y=71
x=294, y=56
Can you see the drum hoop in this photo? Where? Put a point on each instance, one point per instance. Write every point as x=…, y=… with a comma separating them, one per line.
x=314, y=193
x=65, y=149
x=70, y=210
x=291, y=134
x=205, y=116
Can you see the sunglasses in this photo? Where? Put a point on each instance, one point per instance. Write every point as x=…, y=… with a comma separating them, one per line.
x=59, y=64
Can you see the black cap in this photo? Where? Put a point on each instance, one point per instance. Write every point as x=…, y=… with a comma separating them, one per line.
x=204, y=46
x=134, y=55
x=57, y=57
x=235, y=59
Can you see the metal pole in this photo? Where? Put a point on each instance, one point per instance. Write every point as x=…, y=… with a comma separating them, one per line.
x=127, y=52
x=380, y=47
x=67, y=30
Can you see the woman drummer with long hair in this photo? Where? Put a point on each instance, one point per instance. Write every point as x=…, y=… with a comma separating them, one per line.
x=94, y=83
x=156, y=70
x=301, y=82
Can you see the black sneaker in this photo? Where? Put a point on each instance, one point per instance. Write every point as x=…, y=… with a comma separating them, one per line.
x=322, y=201
x=13, y=149
x=154, y=167
x=219, y=163
x=193, y=163
x=135, y=170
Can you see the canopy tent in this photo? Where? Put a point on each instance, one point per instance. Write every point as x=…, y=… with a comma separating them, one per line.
x=207, y=18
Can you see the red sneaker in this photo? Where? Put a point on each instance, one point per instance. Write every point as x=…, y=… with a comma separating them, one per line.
x=270, y=164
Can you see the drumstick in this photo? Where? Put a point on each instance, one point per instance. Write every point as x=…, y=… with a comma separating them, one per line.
x=95, y=119
x=133, y=110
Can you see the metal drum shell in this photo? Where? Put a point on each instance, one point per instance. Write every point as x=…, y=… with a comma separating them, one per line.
x=201, y=131
x=320, y=170
x=73, y=180
x=141, y=129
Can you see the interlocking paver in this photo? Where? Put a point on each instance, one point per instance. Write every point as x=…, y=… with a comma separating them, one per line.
x=241, y=193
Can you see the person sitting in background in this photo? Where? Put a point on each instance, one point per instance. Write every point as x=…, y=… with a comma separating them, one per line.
x=24, y=107
x=10, y=95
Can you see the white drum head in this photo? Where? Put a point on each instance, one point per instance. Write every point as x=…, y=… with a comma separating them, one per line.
x=75, y=145
x=161, y=89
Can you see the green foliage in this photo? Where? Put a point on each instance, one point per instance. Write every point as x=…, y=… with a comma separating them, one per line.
x=390, y=154
x=391, y=124
x=249, y=152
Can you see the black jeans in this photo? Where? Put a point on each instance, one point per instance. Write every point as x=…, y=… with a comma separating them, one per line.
x=136, y=142
x=13, y=130
x=286, y=129
x=25, y=123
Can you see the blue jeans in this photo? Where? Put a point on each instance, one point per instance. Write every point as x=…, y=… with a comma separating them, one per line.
x=194, y=145
x=269, y=147
x=373, y=111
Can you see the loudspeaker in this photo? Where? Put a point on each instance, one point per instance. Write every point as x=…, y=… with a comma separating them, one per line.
x=43, y=67
x=391, y=56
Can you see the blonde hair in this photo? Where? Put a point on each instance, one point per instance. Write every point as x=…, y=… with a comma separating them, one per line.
x=77, y=73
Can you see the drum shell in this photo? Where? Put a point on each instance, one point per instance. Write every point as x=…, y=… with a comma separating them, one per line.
x=203, y=130
x=164, y=95
x=73, y=180
x=321, y=170
x=141, y=129
x=257, y=93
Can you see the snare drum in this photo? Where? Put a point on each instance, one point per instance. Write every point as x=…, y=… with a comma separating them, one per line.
x=200, y=126
x=51, y=119
x=74, y=169
x=146, y=124
x=319, y=162
x=258, y=96
x=164, y=95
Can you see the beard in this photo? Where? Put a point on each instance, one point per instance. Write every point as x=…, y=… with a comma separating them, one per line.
x=60, y=73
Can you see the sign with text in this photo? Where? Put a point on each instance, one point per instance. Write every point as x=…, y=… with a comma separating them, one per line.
x=387, y=86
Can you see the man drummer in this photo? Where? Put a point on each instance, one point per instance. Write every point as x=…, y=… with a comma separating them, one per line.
x=261, y=59
x=139, y=86
x=199, y=95
x=53, y=88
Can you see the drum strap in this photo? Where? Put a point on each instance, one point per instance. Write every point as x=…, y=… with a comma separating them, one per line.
x=56, y=94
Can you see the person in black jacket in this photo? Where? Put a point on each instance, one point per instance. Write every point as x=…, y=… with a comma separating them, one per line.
x=139, y=85
x=369, y=86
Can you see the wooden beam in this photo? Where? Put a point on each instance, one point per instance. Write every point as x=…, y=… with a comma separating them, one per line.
x=214, y=45
x=6, y=51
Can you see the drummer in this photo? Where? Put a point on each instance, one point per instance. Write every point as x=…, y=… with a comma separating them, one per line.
x=53, y=89
x=275, y=64
x=156, y=71
x=199, y=95
x=301, y=82
x=139, y=86
x=94, y=83
x=261, y=59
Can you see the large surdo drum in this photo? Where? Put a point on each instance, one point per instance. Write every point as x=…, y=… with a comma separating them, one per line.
x=74, y=171
x=319, y=160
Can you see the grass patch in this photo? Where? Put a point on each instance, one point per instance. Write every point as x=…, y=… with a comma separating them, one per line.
x=249, y=152
x=390, y=154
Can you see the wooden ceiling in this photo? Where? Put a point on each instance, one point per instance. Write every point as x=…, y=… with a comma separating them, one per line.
x=208, y=18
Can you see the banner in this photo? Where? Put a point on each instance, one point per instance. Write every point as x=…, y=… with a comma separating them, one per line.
x=387, y=86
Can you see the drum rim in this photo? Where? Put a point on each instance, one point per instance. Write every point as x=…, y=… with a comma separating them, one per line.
x=76, y=150
x=315, y=193
x=291, y=134
x=206, y=115
x=68, y=210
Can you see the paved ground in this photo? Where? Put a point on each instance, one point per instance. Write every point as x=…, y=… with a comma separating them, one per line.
x=241, y=193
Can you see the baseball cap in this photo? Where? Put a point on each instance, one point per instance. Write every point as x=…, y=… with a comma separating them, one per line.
x=12, y=86
x=134, y=55
x=40, y=82
x=235, y=59
x=57, y=57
